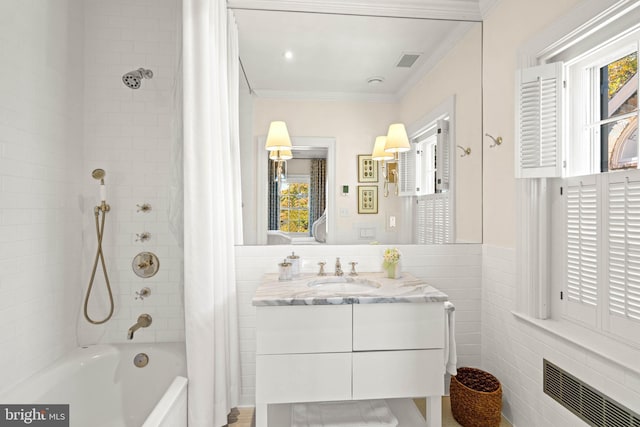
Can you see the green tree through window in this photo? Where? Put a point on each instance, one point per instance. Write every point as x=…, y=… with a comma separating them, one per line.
x=294, y=208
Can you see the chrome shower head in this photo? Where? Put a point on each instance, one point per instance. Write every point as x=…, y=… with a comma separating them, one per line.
x=98, y=174
x=133, y=79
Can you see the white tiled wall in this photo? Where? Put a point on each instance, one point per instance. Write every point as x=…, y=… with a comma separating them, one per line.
x=454, y=269
x=129, y=133
x=513, y=350
x=41, y=74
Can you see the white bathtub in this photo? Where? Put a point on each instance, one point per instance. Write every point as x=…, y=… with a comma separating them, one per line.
x=105, y=389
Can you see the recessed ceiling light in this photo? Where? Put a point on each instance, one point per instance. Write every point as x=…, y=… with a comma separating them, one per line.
x=288, y=55
x=376, y=80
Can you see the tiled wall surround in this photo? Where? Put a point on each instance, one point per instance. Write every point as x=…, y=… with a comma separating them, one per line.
x=129, y=134
x=454, y=269
x=41, y=73
x=513, y=351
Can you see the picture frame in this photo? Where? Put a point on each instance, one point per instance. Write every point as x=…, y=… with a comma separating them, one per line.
x=367, y=199
x=367, y=168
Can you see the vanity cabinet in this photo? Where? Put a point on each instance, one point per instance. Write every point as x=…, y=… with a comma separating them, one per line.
x=311, y=353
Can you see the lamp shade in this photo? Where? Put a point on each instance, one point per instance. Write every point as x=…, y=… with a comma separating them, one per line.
x=397, y=139
x=280, y=155
x=378, y=149
x=278, y=137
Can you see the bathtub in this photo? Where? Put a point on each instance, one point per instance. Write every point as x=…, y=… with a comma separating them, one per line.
x=104, y=388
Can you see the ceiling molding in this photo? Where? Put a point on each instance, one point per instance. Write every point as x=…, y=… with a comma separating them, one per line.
x=463, y=10
x=486, y=7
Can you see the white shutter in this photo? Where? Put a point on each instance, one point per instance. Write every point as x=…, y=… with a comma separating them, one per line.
x=433, y=224
x=622, y=245
x=443, y=158
x=538, y=122
x=582, y=248
x=407, y=173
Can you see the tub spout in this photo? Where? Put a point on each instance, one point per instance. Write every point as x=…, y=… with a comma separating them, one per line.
x=144, y=320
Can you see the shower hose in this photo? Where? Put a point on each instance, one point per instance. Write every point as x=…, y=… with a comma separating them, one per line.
x=99, y=256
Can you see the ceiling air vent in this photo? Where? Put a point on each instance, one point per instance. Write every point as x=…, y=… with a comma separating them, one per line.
x=584, y=401
x=407, y=60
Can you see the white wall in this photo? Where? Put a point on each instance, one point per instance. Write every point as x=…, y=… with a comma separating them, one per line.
x=41, y=79
x=454, y=269
x=512, y=349
x=128, y=133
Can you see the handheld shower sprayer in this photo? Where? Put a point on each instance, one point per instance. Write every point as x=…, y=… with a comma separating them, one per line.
x=99, y=174
x=103, y=208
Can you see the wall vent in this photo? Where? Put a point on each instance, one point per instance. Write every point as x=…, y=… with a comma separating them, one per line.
x=407, y=60
x=584, y=401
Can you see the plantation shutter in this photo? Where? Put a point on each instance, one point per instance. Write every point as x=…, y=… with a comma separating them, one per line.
x=582, y=248
x=433, y=222
x=623, y=253
x=538, y=122
x=408, y=173
x=443, y=157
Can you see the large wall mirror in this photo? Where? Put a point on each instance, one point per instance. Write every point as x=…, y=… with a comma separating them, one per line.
x=342, y=80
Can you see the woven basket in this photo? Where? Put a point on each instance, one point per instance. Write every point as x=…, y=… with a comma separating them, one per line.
x=476, y=398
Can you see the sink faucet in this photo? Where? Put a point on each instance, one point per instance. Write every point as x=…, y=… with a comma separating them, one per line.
x=338, y=268
x=144, y=320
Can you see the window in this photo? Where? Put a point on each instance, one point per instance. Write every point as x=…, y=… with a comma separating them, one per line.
x=294, y=205
x=578, y=121
x=602, y=92
x=425, y=175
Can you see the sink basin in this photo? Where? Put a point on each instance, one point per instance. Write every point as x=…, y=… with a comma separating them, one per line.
x=341, y=284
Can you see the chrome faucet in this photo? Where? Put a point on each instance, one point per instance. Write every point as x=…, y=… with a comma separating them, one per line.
x=338, y=268
x=144, y=320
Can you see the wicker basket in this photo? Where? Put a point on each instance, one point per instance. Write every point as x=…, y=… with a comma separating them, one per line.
x=476, y=398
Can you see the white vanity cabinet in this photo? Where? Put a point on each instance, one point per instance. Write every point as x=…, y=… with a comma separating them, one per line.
x=350, y=351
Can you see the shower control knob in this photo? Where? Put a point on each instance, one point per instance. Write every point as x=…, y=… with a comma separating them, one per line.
x=143, y=293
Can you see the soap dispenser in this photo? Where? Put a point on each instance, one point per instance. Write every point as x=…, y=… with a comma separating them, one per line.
x=284, y=270
x=294, y=260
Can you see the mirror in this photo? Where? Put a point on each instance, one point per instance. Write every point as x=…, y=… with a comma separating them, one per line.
x=343, y=79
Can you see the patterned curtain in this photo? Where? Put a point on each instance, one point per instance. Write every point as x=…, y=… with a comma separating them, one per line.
x=317, y=190
x=274, y=200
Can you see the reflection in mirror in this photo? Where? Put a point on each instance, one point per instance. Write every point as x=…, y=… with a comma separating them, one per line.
x=297, y=201
x=345, y=79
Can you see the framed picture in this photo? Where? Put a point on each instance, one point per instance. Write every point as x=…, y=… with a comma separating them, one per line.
x=367, y=199
x=367, y=168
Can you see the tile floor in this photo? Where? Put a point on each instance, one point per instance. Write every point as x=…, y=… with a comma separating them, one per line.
x=243, y=417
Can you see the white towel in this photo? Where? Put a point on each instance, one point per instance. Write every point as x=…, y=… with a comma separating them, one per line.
x=450, y=354
x=356, y=413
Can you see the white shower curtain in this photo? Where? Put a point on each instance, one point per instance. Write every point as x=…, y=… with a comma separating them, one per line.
x=211, y=206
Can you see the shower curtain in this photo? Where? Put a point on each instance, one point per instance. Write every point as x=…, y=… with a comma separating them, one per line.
x=211, y=209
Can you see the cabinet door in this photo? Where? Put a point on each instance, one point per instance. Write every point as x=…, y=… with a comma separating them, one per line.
x=303, y=329
x=398, y=326
x=391, y=374
x=303, y=377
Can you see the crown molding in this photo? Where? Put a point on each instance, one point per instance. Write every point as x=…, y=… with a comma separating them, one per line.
x=461, y=10
x=486, y=7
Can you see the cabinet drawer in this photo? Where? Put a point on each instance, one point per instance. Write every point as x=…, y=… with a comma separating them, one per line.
x=398, y=326
x=391, y=374
x=303, y=329
x=303, y=377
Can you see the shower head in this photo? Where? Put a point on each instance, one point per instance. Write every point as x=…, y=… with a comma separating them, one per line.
x=98, y=174
x=133, y=79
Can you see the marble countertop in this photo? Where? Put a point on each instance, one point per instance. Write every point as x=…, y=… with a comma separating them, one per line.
x=407, y=288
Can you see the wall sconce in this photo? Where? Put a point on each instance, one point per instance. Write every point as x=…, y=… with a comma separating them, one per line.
x=395, y=142
x=279, y=146
x=382, y=156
